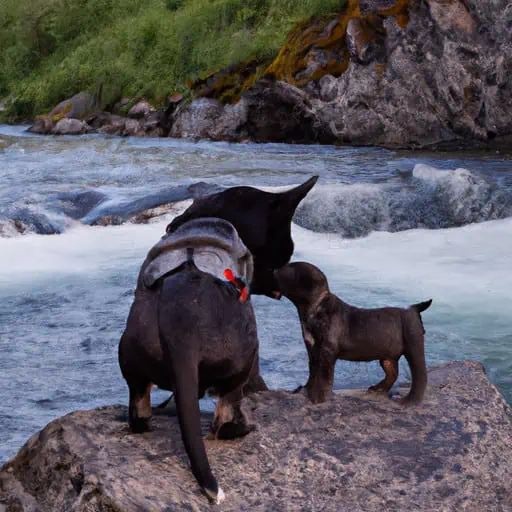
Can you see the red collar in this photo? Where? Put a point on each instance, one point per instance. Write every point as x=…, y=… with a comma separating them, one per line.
x=238, y=283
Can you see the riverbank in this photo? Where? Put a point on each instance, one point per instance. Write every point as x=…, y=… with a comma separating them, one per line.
x=389, y=73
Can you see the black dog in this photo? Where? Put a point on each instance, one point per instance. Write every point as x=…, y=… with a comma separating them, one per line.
x=263, y=221
x=335, y=330
x=190, y=331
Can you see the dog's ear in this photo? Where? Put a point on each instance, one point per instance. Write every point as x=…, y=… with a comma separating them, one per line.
x=288, y=201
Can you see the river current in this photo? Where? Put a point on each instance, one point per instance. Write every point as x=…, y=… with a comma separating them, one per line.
x=388, y=228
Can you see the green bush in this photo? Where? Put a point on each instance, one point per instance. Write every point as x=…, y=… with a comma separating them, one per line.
x=52, y=49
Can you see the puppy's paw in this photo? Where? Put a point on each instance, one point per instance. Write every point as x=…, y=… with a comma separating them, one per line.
x=377, y=389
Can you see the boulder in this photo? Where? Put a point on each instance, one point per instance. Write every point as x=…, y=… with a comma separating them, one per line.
x=110, y=124
x=197, y=120
x=70, y=127
x=141, y=109
x=77, y=107
x=132, y=127
x=358, y=452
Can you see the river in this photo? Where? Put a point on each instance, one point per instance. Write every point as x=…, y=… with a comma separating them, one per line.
x=388, y=228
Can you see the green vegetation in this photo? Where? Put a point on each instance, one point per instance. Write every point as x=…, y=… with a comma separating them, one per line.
x=52, y=49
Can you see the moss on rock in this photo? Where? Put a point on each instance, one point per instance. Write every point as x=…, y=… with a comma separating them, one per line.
x=318, y=46
x=229, y=83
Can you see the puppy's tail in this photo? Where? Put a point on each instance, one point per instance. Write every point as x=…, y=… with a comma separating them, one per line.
x=186, y=386
x=419, y=308
x=422, y=306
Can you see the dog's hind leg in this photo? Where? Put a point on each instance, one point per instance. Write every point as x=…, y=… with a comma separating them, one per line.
x=139, y=410
x=390, y=368
x=255, y=383
x=229, y=420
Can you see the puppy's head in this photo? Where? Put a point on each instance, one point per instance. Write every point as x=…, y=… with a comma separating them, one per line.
x=301, y=282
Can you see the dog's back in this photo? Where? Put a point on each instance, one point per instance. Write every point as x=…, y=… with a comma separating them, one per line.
x=202, y=319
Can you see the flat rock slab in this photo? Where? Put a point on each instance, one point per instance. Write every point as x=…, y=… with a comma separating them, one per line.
x=357, y=452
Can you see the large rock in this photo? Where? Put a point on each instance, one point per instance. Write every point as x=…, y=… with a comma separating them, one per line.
x=357, y=452
x=70, y=127
x=141, y=109
x=197, y=120
x=77, y=107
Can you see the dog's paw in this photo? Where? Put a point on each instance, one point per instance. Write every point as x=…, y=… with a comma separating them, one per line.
x=405, y=401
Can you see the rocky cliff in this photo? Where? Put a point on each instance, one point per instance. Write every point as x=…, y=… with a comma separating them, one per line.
x=357, y=452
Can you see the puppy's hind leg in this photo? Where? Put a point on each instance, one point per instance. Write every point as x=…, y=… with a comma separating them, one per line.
x=390, y=368
x=415, y=355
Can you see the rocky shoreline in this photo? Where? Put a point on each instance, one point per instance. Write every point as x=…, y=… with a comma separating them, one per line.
x=358, y=451
x=391, y=73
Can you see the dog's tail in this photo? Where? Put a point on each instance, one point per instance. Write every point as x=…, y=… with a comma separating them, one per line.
x=419, y=308
x=186, y=387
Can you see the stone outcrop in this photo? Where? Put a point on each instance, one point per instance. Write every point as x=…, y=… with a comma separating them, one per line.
x=270, y=111
x=357, y=452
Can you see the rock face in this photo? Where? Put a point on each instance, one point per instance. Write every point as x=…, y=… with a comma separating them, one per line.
x=442, y=78
x=357, y=452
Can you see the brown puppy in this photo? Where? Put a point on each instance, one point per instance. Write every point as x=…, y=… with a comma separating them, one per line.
x=335, y=330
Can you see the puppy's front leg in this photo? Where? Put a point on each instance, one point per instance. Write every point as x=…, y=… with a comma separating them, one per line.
x=310, y=344
x=321, y=376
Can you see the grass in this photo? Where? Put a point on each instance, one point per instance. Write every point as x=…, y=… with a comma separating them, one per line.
x=52, y=49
